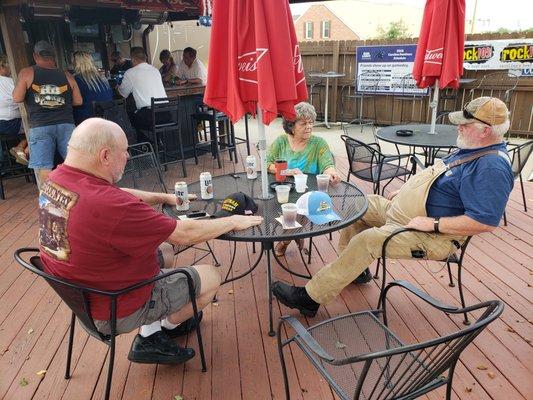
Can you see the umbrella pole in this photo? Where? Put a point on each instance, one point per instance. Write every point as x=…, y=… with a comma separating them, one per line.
x=262, y=154
x=434, y=105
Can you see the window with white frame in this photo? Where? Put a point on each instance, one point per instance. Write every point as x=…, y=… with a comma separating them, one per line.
x=308, y=30
x=326, y=34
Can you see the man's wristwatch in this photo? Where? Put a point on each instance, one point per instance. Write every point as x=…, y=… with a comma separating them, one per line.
x=436, y=222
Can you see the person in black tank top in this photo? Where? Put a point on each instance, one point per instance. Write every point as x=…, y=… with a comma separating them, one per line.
x=48, y=94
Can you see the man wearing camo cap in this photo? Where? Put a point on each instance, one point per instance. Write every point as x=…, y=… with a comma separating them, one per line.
x=463, y=194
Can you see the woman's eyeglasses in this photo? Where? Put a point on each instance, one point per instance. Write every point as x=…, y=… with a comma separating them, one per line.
x=468, y=115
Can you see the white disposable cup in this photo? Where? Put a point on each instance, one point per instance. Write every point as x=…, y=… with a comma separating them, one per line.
x=322, y=182
x=282, y=192
x=289, y=211
x=300, y=181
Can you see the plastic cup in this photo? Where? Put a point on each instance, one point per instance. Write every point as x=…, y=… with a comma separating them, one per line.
x=300, y=181
x=322, y=182
x=289, y=211
x=282, y=192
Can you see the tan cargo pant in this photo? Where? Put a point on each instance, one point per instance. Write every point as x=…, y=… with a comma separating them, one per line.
x=361, y=243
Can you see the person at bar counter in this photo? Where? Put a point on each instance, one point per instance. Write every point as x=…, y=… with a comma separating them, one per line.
x=191, y=70
x=48, y=94
x=304, y=153
x=105, y=237
x=169, y=69
x=120, y=64
x=461, y=195
x=93, y=86
x=10, y=121
x=144, y=82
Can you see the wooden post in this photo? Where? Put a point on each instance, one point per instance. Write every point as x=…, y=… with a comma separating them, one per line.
x=334, y=82
x=15, y=49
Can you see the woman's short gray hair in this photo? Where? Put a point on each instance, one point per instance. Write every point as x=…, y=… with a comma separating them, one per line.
x=303, y=110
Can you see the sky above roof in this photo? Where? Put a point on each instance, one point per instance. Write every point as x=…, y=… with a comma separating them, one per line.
x=490, y=14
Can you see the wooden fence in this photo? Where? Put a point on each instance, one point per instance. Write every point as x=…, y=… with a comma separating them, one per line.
x=339, y=56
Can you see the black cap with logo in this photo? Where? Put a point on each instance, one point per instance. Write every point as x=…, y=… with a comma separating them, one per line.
x=237, y=203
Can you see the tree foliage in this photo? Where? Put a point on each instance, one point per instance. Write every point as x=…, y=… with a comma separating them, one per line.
x=395, y=30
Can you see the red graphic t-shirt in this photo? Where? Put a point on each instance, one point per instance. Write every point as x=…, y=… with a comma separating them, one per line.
x=98, y=235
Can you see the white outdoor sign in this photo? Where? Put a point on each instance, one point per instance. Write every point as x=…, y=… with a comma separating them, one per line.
x=499, y=54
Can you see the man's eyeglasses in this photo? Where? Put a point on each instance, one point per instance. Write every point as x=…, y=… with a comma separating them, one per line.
x=468, y=115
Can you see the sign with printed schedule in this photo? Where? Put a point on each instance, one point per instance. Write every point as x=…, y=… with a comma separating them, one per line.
x=393, y=63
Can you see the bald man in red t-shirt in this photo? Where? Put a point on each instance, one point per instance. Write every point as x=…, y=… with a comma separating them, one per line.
x=105, y=237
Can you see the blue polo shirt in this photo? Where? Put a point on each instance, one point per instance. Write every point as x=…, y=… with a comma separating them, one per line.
x=478, y=189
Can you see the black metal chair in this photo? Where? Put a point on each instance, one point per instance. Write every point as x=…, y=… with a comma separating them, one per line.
x=519, y=156
x=115, y=110
x=165, y=132
x=221, y=134
x=454, y=258
x=314, y=89
x=10, y=169
x=362, y=358
x=368, y=163
x=143, y=172
x=77, y=298
x=364, y=87
x=409, y=93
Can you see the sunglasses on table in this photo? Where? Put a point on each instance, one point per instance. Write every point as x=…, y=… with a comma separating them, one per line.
x=468, y=115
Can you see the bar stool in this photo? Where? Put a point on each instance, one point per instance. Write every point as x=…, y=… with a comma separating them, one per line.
x=221, y=134
x=165, y=132
x=10, y=169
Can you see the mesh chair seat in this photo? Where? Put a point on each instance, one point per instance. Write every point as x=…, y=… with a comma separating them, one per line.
x=354, y=335
x=371, y=173
x=361, y=358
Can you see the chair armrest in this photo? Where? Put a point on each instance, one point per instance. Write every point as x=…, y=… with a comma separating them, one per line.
x=306, y=337
x=396, y=157
x=416, y=162
x=419, y=293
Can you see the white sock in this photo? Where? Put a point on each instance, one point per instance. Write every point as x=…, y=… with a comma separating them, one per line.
x=168, y=325
x=147, y=330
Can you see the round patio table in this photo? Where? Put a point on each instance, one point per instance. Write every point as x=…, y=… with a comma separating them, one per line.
x=349, y=202
x=445, y=138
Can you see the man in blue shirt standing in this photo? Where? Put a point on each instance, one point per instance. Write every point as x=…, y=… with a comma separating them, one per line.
x=461, y=195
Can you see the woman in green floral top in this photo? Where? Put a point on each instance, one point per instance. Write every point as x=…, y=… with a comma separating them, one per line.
x=304, y=152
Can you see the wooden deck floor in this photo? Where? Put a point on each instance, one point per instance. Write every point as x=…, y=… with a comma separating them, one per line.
x=242, y=358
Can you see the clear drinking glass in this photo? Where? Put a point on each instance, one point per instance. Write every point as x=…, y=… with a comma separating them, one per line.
x=322, y=182
x=290, y=211
x=282, y=192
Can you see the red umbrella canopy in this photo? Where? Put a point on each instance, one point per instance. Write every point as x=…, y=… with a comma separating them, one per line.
x=439, y=53
x=254, y=60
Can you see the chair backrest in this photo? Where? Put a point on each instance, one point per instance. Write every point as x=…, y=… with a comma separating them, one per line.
x=143, y=170
x=75, y=296
x=165, y=111
x=497, y=84
x=370, y=362
x=519, y=156
x=362, y=158
x=115, y=110
x=408, y=370
x=368, y=82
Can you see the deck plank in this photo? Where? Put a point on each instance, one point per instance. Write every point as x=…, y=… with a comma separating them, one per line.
x=242, y=359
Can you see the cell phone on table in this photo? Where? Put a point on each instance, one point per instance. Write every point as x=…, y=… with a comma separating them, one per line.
x=195, y=215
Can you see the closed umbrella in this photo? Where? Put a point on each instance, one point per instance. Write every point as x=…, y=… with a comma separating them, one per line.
x=439, y=52
x=254, y=64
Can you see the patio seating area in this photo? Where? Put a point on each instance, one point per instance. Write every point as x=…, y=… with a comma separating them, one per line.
x=242, y=360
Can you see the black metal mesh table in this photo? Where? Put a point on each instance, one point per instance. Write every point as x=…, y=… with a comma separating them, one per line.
x=349, y=202
x=445, y=138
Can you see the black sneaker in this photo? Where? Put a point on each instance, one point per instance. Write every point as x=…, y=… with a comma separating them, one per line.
x=184, y=328
x=158, y=348
x=295, y=297
x=365, y=277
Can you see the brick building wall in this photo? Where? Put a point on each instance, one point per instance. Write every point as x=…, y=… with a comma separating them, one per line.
x=316, y=14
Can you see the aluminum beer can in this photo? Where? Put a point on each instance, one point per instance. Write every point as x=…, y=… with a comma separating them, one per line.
x=182, y=196
x=206, y=186
x=251, y=168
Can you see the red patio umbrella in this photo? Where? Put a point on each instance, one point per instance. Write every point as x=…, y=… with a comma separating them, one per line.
x=254, y=64
x=439, y=53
